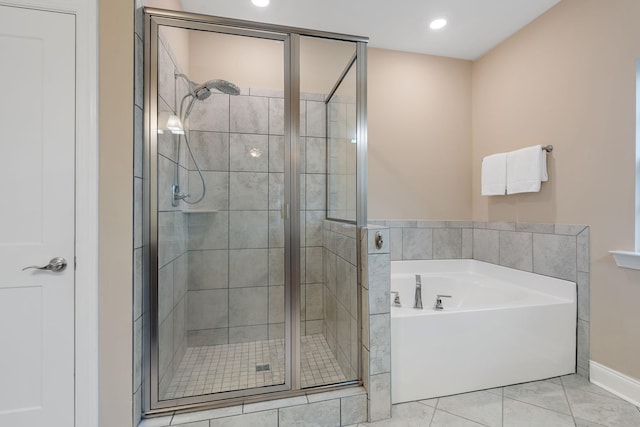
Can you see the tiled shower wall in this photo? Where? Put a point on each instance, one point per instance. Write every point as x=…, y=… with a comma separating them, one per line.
x=341, y=294
x=313, y=205
x=226, y=252
x=236, y=234
x=172, y=229
x=556, y=250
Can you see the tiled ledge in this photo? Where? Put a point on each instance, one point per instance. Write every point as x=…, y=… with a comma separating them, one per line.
x=339, y=407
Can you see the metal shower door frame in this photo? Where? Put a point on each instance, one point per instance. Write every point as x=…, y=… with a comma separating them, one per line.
x=153, y=19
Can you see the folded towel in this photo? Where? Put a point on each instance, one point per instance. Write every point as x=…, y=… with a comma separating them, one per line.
x=526, y=169
x=494, y=175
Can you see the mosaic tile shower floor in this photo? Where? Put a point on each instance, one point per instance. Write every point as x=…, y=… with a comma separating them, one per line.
x=228, y=367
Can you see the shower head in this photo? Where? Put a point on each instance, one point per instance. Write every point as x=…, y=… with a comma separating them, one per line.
x=203, y=91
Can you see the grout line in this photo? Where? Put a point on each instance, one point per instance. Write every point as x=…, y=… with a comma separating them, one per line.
x=575, y=278
x=433, y=414
x=502, y=402
x=564, y=391
x=464, y=418
x=541, y=407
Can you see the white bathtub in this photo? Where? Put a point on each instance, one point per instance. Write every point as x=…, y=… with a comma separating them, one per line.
x=502, y=326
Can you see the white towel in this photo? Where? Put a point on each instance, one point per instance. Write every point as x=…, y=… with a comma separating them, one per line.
x=526, y=169
x=494, y=175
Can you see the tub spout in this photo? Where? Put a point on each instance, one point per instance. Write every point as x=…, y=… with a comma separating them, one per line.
x=418, y=299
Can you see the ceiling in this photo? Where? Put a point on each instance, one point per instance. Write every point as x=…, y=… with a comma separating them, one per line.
x=474, y=28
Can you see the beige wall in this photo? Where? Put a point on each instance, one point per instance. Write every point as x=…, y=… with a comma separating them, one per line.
x=568, y=79
x=116, y=210
x=245, y=61
x=419, y=128
x=564, y=80
x=176, y=37
x=259, y=63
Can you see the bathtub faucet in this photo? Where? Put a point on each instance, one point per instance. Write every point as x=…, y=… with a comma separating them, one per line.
x=438, y=305
x=418, y=299
x=396, y=299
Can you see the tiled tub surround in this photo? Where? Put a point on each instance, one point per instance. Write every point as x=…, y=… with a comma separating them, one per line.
x=375, y=267
x=341, y=306
x=556, y=250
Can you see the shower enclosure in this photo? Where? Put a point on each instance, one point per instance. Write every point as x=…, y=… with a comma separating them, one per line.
x=255, y=169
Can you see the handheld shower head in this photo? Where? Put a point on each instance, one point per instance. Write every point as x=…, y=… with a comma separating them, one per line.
x=203, y=91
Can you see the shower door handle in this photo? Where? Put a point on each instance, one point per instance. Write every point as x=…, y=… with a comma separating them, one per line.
x=56, y=264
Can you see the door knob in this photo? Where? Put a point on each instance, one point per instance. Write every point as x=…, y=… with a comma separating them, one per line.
x=56, y=264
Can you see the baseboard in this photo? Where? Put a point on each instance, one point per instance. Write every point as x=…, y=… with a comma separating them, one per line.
x=619, y=384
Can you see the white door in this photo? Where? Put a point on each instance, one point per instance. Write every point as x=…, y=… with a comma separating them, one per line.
x=37, y=146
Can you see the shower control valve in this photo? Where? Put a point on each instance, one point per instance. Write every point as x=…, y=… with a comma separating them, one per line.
x=178, y=195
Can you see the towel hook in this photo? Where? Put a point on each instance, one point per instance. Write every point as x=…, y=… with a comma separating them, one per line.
x=548, y=148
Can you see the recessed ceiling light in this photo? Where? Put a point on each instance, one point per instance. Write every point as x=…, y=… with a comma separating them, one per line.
x=438, y=24
x=260, y=3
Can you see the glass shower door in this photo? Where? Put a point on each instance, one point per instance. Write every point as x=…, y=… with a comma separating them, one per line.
x=220, y=171
x=329, y=340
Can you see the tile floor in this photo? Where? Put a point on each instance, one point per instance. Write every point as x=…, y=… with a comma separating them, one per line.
x=215, y=369
x=564, y=401
x=318, y=364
